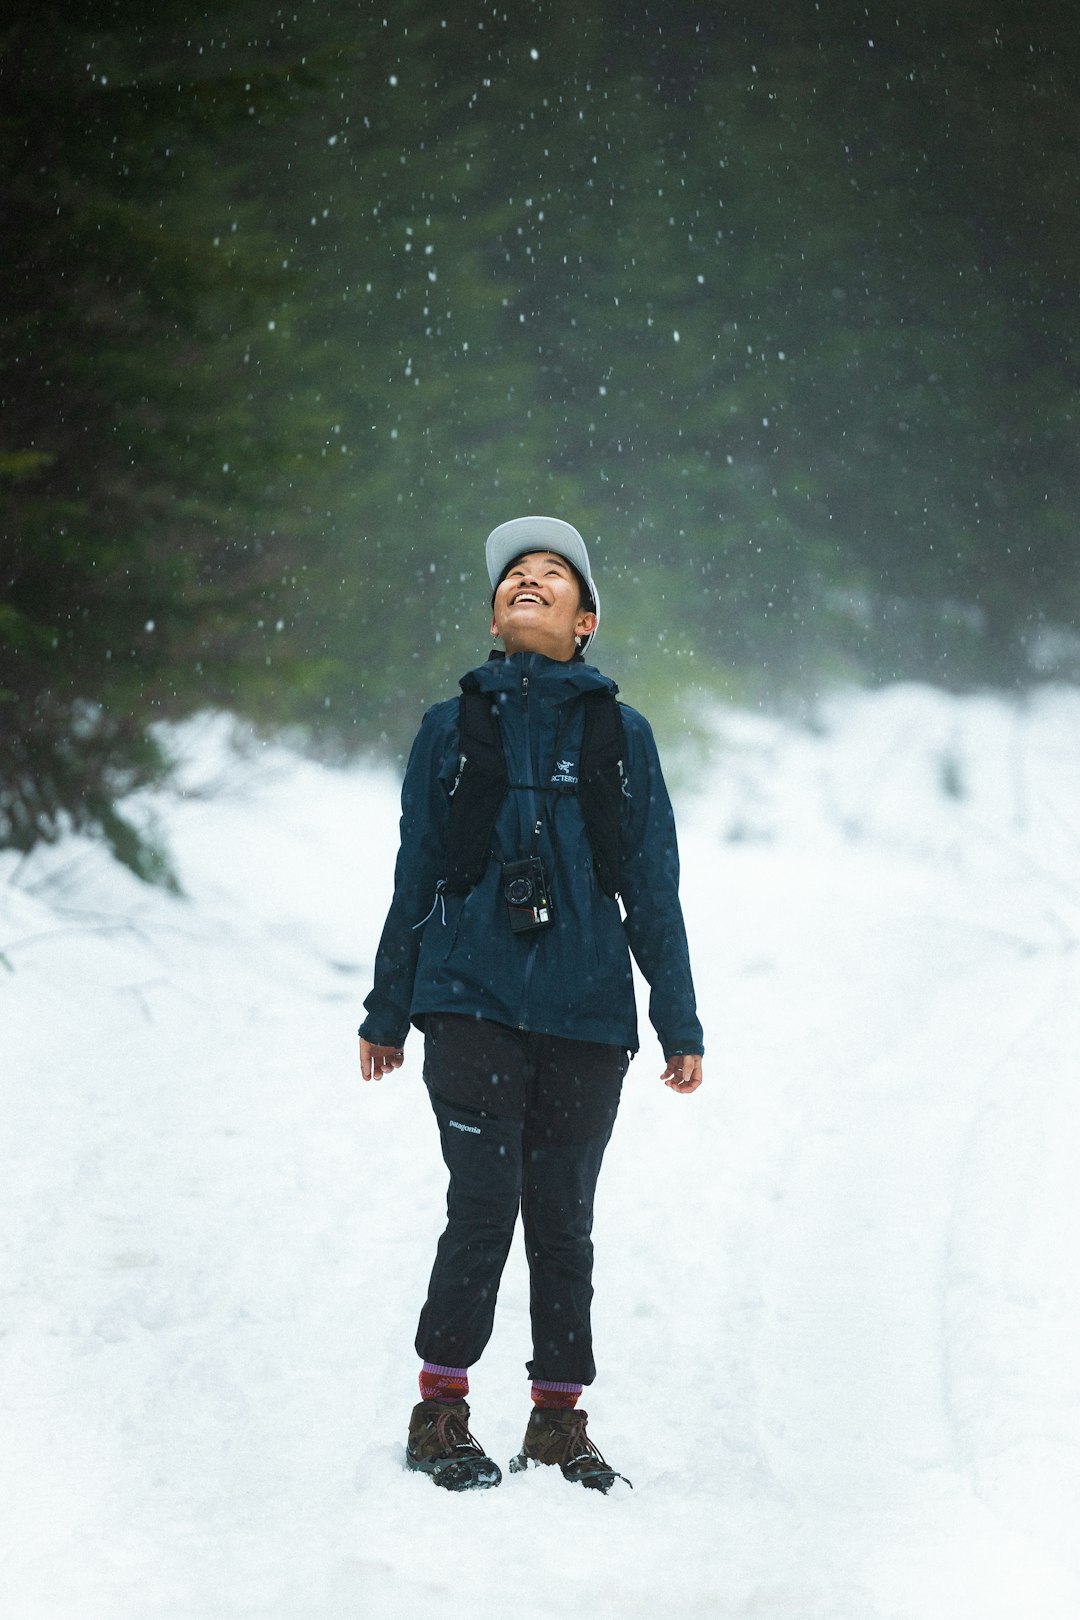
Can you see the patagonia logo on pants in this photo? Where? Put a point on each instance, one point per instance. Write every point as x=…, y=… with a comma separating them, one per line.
x=456, y=1125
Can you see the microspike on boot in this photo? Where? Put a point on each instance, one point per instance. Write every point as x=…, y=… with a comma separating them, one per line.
x=556, y=1437
x=441, y=1446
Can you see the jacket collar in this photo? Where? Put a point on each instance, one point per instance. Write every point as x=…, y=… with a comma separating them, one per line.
x=551, y=679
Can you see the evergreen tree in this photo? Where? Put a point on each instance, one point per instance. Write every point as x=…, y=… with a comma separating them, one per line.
x=152, y=468
x=772, y=307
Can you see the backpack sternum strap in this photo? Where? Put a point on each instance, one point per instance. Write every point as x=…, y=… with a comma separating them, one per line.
x=482, y=784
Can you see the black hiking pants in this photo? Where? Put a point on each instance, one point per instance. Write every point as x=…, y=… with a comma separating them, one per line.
x=524, y=1121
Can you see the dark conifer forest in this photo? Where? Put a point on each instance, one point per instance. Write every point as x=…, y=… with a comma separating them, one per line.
x=777, y=305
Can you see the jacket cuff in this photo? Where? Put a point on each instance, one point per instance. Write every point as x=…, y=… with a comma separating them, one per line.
x=379, y=1037
x=670, y=1049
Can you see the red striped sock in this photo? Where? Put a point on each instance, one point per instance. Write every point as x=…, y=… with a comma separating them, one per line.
x=443, y=1383
x=550, y=1395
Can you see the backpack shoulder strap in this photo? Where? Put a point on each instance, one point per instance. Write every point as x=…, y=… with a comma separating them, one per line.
x=478, y=791
x=600, y=791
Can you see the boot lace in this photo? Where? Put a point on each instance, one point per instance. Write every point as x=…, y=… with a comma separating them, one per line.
x=452, y=1433
x=580, y=1449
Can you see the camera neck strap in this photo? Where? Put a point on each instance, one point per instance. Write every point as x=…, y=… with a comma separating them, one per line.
x=545, y=788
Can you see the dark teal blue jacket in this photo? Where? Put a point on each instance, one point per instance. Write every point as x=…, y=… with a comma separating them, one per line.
x=457, y=953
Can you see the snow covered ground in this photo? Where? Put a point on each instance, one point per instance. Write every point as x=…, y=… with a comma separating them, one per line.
x=837, y=1308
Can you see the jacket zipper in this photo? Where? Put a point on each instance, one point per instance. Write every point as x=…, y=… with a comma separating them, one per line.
x=531, y=801
x=531, y=957
x=523, y=1021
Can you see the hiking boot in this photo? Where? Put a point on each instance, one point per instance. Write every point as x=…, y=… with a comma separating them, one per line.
x=440, y=1445
x=557, y=1435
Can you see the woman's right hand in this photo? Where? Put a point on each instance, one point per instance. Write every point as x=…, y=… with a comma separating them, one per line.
x=375, y=1061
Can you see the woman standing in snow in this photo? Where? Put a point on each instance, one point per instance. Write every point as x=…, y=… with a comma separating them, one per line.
x=529, y=804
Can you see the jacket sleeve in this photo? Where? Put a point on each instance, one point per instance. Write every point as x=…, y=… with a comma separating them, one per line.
x=650, y=894
x=420, y=865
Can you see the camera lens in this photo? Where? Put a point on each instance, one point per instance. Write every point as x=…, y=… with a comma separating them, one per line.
x=519, y=891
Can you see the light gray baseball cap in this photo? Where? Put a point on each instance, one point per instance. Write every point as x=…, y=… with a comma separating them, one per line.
x=512, y=540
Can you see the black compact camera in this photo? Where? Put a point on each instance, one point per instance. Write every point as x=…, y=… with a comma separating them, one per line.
x=527, y=896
